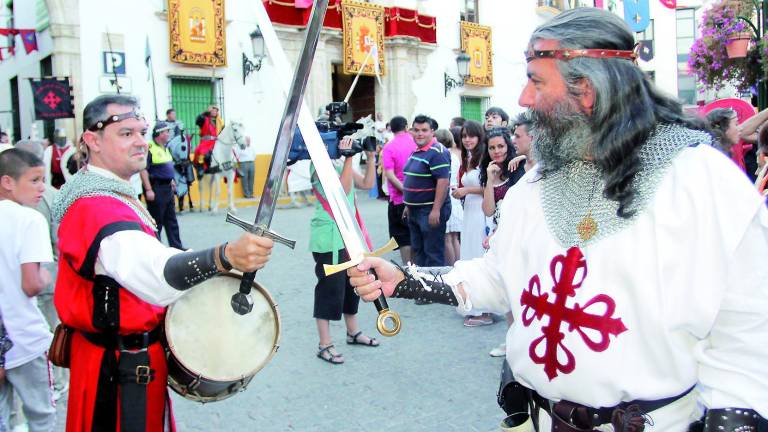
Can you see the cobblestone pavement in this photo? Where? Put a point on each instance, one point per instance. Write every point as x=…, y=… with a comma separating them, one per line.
x=435, y=375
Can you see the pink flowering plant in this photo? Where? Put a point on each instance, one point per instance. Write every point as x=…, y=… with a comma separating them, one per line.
x=708, y=59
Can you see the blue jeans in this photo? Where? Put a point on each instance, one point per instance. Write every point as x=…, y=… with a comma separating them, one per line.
x=428, y=242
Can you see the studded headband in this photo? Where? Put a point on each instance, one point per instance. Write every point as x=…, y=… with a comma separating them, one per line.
x=568, y=54
x=101, y=124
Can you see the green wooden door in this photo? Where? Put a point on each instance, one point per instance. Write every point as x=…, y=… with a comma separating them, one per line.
x=190, y=97
x=472, y=108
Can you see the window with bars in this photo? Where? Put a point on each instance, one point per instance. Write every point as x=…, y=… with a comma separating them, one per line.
x=473, y=108
x=192, y=96
x=469, y=10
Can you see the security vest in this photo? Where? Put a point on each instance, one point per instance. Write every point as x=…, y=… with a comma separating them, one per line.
x=161, y=167
x=160, y=154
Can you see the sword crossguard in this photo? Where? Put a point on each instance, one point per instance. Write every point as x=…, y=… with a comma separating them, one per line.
x=335, y=268
x=260, y=231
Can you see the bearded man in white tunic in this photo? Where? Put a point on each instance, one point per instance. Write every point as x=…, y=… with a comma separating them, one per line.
x=633, y=259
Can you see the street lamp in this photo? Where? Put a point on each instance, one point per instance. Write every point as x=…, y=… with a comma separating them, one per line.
x=462, y=65
x=761, y=15
x=259, y=53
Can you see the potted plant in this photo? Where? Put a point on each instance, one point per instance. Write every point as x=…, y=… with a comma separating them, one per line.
x=722, y=31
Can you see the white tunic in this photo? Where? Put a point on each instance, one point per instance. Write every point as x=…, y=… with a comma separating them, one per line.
x=687, y=279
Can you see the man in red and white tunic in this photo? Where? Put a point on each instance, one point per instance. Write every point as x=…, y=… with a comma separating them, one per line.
x=210, y=125
x=632, y=256
x=115, y=278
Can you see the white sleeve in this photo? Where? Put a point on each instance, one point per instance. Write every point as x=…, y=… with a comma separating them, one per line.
x=35, y=240
x=733, y=359
x=481, y=282
x=136, y=260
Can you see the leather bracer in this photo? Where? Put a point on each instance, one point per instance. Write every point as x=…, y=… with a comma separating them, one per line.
x=425, y=284
x=187, y=269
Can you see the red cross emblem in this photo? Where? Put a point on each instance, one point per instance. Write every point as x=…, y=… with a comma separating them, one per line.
x=51, y=99
x=568, y=273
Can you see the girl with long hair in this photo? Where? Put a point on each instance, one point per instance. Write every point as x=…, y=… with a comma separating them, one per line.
x=471, y=192
x=455, y=222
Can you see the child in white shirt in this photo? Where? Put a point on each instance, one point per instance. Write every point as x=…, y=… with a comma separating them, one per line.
x=26, y=244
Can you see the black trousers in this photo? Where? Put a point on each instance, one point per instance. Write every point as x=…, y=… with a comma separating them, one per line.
x=333, y=294
x=163, y=209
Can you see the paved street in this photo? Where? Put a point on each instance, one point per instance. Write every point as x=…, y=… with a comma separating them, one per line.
x=435, y=375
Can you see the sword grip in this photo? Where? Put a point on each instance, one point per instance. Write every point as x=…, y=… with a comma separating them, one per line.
x=247, y=282
x=242, y=302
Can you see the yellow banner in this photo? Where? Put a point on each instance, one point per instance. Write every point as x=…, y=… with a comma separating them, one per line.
x=363, y=35
x=196, y=29
x=476, y=42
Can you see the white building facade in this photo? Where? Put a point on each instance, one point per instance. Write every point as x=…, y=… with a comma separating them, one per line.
x=75, y=39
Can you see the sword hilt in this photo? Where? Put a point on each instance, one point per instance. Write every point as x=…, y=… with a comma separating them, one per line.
x=242, y=301
x=388, y=322
x=330, y=269
x=260, y=231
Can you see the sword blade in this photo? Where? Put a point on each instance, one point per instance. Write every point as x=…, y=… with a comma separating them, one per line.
x=343, y=214
x=242, y=302
x=287, y=127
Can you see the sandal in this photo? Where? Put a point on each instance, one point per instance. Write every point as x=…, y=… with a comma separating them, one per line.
x=325, y=354
x=355, y=340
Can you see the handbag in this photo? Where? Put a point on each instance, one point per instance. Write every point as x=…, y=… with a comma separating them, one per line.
x=61, y=346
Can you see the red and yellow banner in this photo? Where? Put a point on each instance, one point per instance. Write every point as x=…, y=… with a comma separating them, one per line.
x=476, y=42
x=196, y=29
x=363, y=35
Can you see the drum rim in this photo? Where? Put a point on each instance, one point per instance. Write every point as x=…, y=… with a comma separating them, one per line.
x=275, y=343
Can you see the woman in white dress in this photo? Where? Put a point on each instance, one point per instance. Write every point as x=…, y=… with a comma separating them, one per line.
x=471, y=192
x=455, y=224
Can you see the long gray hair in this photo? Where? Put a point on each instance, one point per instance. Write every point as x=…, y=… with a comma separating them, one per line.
x=627, y=105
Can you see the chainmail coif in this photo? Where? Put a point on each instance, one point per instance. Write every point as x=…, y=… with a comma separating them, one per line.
x=567, y=195
x=88, y=184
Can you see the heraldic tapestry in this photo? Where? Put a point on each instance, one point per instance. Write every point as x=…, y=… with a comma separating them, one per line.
x=196, y=29
x=476, y=42
x=363, y=33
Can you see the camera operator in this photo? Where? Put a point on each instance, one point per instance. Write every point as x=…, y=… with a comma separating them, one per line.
x=333, y=131
x=333, y=294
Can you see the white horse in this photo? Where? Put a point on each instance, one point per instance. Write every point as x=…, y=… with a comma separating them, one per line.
x=222, y=165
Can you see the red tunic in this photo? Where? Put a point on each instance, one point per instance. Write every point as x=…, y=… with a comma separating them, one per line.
x=74, y=302
x=207, y=130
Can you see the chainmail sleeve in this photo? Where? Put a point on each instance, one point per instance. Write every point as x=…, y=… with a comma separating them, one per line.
x=425, y=284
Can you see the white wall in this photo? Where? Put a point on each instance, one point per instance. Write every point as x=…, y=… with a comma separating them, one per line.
x=23, y=66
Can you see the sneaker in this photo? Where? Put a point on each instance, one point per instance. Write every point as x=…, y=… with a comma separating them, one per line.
x=477, y=321
x=499, y=351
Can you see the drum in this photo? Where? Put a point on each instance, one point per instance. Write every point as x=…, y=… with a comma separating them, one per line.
x=213, y=352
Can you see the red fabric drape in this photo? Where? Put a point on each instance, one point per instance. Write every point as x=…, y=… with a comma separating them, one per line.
x=397, y=21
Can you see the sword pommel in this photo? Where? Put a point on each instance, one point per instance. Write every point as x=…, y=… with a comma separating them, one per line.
x=260, y=231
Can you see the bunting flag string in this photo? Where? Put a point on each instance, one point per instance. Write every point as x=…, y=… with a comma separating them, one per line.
x=28, y=38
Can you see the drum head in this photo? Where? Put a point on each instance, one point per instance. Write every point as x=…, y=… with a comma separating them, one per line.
x=211, y=340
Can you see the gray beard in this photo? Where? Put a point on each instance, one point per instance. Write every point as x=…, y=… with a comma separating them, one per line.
x=559, y=137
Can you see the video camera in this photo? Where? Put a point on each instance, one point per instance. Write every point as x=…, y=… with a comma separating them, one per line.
x=332, y=131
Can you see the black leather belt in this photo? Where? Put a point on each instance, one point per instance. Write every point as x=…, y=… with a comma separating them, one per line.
x=584, y=417
x=135, y=341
